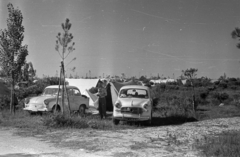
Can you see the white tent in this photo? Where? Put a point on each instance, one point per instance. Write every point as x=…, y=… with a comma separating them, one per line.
x=162, y=81
x=83, y=85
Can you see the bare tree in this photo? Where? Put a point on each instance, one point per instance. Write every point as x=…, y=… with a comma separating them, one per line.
x=12, y=53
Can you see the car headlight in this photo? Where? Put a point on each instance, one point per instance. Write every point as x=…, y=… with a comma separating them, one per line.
x=145, y=106
x=118, y=105
x=46, y=102
x=27, y=100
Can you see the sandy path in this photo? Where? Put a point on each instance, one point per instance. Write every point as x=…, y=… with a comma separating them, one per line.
x=18, y=146
x=161, y=141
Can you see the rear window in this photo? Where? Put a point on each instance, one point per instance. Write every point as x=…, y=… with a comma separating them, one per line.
x=51, y=91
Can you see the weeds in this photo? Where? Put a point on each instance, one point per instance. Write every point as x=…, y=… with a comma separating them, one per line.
x=225, y=144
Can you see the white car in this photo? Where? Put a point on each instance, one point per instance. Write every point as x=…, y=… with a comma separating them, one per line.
x=47, y=100
x=134, y=103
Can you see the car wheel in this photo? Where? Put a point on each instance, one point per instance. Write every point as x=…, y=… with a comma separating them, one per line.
x=116, y=121
x=56, y=109
x=82, y=110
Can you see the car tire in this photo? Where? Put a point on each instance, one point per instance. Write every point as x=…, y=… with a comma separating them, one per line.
x=116, y=121
x=82, y=110
x=56, y=109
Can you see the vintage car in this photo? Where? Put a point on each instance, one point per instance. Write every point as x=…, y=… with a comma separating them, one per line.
x=134, y=103
x=47, y=100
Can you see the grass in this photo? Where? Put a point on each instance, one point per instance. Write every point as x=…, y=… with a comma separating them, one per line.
x=25, y=121
x=222, y=145
x=225, y=144
x=212, y=112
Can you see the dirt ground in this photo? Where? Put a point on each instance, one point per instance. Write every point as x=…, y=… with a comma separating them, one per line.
x=168, y=141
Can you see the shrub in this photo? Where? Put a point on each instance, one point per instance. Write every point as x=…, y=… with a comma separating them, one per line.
x=203, y=95
x=74, y=121
x=59, y=120
x=220, y=96
x=223, y=85
x=4, y=102
x=233, y=87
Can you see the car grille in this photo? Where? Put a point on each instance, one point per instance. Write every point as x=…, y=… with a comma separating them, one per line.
x=132, y=110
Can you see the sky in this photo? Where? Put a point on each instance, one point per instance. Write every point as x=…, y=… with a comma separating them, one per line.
x=134, y=37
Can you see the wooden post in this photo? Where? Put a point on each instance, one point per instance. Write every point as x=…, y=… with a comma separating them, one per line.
x=59, y=90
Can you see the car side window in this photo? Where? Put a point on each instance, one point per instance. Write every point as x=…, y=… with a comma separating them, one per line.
x=70, y=92
x=76, y=92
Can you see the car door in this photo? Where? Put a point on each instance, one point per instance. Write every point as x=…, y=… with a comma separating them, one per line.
x=76, y=98
x=71, y=98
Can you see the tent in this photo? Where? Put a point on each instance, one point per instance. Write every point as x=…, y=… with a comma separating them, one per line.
x=84, y=85
x=112, y=93
x=161, y=81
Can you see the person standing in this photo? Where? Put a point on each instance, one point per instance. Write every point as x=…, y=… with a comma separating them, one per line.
x=102, y=93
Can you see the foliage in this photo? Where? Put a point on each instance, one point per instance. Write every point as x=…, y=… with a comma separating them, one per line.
x=93, y=90
x=220, y=96
x=37, y=88
x=223, y=84
x=27, y=73
x=59, y=120
x=190, y=73
x=4, y=102
x=63, y=41
x=236, y=35
x=12, y=53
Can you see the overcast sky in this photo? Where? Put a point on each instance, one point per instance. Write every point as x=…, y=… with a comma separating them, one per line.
x=135, y=37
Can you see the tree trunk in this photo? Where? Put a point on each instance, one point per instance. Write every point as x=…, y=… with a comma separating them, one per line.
x=12, y=107
x=65, y=88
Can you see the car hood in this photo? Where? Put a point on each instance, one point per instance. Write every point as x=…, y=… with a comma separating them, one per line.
x=39, y=99
x=133, y=102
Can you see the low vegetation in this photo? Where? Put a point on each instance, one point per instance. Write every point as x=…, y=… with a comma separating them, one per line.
x=172, y=105
x=224, y=144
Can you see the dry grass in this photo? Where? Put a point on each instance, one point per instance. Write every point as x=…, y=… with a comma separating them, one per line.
x=222, y=145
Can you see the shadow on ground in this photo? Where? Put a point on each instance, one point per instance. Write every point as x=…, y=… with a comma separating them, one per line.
x=160, y=121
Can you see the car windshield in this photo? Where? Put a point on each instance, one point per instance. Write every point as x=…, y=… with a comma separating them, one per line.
x=133, y=93
x=51, y=91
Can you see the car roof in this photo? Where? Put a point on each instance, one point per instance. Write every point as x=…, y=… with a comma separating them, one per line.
x=135, y=86
x=56, y=86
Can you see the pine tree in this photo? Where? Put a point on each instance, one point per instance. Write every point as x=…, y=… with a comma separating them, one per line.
x=62, y=42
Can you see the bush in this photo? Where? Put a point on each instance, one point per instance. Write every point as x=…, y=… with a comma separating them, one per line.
x=223, y=85
x=4, y=102
x=36, y=88
x=74, y=121
x=220, y=96
x=176, y=105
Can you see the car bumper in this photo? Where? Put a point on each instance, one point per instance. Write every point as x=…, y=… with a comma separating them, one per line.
x=35, y=109
x=131, y=117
